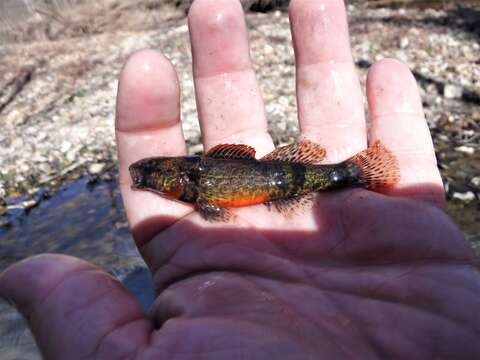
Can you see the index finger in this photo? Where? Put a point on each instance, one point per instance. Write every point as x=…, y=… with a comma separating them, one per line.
x=148, y=124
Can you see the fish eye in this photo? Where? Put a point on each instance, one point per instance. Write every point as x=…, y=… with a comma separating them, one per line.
x=335, y=176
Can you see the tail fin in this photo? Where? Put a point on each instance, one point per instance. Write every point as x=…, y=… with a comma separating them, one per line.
x=378, y=167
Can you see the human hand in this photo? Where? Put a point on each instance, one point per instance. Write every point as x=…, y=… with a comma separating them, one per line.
x=360, y=275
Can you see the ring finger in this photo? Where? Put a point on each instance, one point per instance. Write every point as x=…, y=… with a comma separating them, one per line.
x=229, y=102
x=329, y=98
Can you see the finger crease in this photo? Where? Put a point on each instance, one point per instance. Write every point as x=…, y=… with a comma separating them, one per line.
x=159, y=125
x=118, y=326
x=30, y=313
x=239, y=70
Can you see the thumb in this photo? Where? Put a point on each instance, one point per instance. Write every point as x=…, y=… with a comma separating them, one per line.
x=74, y=309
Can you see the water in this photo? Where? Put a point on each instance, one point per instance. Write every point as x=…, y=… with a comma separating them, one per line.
x=82, y=220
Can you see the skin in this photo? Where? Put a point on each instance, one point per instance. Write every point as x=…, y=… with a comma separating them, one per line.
x=359, y=275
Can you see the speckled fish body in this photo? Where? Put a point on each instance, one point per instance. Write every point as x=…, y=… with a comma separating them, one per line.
x=230, y=176
x=233, y=183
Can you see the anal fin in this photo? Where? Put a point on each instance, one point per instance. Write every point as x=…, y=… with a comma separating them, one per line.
x=304, y=151
x=292, y=206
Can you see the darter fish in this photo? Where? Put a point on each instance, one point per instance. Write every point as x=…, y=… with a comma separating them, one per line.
x=230, y=176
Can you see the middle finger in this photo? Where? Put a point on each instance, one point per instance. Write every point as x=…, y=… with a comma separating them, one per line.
x=230, y=106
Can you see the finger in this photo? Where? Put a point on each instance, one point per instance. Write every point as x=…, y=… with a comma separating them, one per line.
x=229, y=102
x=329, y=98
x=398, y=121
x=148, y=124
x=75, y=310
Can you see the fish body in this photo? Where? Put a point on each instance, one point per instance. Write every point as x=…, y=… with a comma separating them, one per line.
x=230, y=176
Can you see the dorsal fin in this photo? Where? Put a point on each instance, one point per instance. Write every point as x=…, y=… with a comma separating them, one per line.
x=232, y=151
x=304, y=151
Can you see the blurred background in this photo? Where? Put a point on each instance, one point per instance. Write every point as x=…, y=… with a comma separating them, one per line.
x=59, y=63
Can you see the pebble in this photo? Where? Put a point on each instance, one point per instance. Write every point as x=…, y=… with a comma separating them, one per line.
x=465, y=149
x=96, y=168
x=476, y=181
x=66, y=145
x=465, y=197
x=195, y=149
x=451, y=91
x=45, y=168
x=72, y=155
x=404, y=42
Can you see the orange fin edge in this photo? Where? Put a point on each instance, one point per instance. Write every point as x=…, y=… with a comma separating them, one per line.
x=304, y=152
x=378, y=166
x=232, y=151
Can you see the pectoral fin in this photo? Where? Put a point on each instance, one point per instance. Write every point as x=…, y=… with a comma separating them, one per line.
x=212, y=212
x=305, y=152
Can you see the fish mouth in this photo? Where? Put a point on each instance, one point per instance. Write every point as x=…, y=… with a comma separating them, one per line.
x=136, y=176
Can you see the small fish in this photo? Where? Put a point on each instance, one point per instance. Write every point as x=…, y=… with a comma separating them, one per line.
x=230, y=176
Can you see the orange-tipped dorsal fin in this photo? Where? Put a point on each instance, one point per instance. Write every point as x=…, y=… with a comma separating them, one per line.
x=304, y=152
x=232, y=151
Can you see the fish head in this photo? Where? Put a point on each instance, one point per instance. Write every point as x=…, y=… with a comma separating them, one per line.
x=165, y=175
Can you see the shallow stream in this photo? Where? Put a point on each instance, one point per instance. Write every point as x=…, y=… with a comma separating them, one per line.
x=82, y=220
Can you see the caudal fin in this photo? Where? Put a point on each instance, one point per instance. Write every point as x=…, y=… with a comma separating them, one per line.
x=378, y=167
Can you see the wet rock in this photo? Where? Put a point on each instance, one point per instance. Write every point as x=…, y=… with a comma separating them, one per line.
x=121, y=225
x=451, y=91
x=4, y=223
x=29, y=204
x=96, y=168
x=465, y=197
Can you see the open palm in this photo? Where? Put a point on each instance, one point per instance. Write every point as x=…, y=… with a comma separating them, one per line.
x=358, y=275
